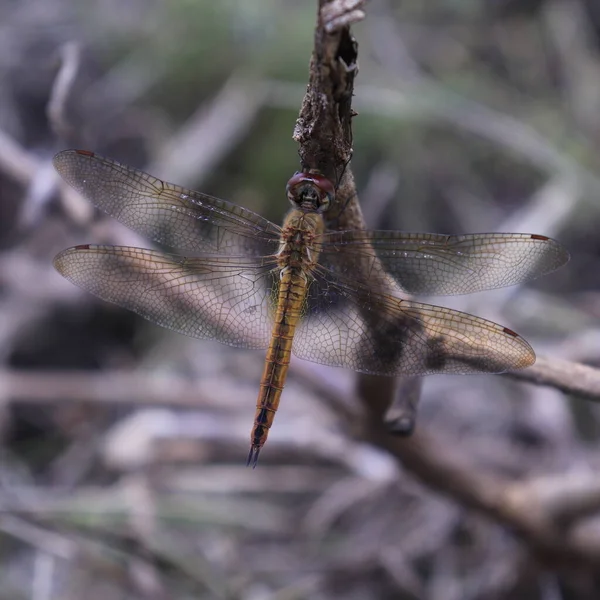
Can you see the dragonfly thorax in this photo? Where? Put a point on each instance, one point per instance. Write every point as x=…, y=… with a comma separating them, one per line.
x=299, y=231
x=310, y=192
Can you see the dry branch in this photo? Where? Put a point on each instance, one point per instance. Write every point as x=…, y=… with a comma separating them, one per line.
x=324, y=127
x=518, y=506
x=324, y=133
x=27, y=170
x=566, y=376
x=211, y=132
x=70, y=55
x=107, y=387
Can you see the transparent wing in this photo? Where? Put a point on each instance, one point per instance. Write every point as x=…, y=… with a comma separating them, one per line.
x=356, y=327
x=164, y=212
x=215, y=297
x=425, y=263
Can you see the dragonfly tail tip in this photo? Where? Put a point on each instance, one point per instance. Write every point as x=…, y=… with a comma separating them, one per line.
x=253, y=456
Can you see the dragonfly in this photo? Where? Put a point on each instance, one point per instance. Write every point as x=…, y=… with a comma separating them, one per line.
x=327, y=296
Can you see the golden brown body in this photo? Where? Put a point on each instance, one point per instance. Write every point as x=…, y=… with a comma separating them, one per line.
x=296, y=259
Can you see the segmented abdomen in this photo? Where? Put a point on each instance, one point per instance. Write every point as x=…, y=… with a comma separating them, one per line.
x=292, y=292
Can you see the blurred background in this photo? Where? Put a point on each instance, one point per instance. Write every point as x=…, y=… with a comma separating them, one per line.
x=123, y=445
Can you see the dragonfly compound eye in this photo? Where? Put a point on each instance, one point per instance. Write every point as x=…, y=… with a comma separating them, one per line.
x=310, y=191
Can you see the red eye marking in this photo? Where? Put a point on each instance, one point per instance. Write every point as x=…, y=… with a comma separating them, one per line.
x=317, y=180
x=296, y=179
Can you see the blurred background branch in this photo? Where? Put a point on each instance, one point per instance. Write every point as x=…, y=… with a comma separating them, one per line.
x=568, y=377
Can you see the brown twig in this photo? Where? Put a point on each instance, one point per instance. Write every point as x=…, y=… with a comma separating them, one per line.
x=566, y=376
x=324, y=127
x=115, y=387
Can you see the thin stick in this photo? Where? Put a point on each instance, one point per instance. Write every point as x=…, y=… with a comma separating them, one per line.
x=566, y=376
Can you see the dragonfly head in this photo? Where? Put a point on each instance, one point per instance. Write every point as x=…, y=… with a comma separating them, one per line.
x=310, y=192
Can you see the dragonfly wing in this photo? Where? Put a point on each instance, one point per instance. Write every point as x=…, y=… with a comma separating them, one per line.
x=359, y=328
x=424, y=263
x=164, y=212
x=214, y=297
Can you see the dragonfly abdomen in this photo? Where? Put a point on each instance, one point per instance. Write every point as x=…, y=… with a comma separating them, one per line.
x=292, y=292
